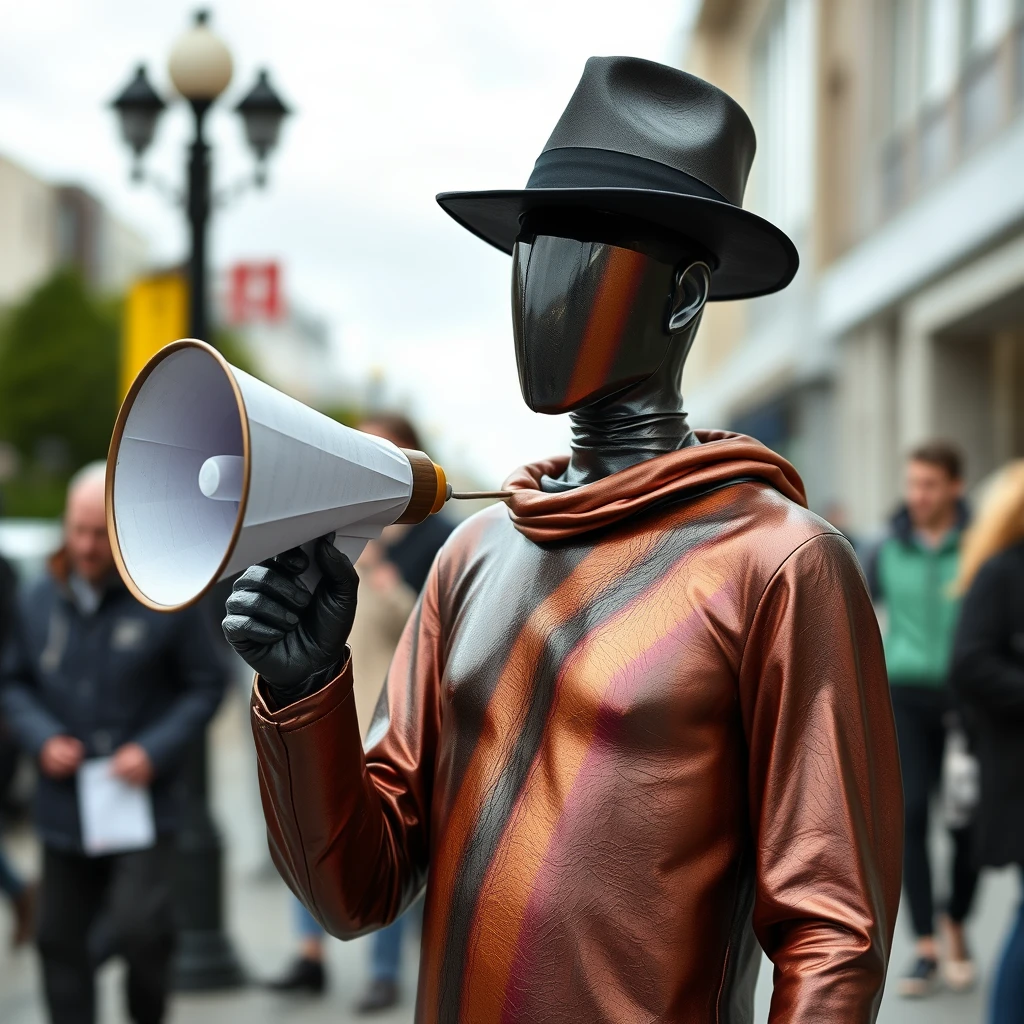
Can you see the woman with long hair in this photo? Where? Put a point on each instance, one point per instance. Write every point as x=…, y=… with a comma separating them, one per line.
x=988, y=677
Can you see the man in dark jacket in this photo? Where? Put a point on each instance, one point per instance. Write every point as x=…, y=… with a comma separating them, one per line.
x=20, y=895
x=94, y=674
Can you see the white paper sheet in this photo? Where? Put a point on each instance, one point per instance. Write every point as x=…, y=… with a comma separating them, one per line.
x=115, y=816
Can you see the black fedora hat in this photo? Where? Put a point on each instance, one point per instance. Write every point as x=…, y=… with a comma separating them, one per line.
x=652, y=142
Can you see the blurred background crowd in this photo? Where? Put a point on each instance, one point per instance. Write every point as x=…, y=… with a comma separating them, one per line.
x=891, y=373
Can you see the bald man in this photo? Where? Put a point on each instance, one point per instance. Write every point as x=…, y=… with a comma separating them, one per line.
x=91, y=674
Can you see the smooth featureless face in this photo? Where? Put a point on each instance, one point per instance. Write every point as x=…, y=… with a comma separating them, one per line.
x=596, y=302
x=588, y=318
x=931, y=494
x=85, y=532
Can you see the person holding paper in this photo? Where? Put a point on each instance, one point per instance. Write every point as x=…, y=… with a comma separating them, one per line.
x=106, y=696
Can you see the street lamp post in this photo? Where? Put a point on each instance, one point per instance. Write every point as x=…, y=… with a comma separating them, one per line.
x=200, y=68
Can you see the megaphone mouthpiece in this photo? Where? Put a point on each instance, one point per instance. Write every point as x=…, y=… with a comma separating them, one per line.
x=478, y=495
x=221, y=477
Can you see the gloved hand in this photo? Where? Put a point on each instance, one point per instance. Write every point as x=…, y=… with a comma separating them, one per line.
x=294, y=639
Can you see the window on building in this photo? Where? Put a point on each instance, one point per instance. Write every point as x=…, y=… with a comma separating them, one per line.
x=902, y=91
x=772, y=424
x=946, y=87
x=940, y=65
x=1018, y=49
x=940, y=44
x=784, y=113
x=69, y=232
x=985, y=22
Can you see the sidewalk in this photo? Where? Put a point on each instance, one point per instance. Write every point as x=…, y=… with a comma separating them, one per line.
x=260, y=924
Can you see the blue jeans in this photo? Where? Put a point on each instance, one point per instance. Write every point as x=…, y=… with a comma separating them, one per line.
x=1008, y=991
x=306, y=924
x=386, y=953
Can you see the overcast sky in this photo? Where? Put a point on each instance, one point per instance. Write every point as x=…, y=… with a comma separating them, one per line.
x=395, y=101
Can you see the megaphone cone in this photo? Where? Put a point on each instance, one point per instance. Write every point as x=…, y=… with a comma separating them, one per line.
x=211, y=470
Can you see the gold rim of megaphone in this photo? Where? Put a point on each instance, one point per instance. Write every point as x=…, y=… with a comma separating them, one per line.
x=115, y=444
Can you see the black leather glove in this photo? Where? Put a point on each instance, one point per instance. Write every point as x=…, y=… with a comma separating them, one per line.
x=294, y=639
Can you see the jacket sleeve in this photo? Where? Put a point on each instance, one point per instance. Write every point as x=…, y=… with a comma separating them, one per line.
x=31, y=722
x=983, y=670
x=350, y=831
x=826, y=805
x=199, y=678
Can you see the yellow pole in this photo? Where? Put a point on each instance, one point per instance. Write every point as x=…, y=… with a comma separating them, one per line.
x=155, y=314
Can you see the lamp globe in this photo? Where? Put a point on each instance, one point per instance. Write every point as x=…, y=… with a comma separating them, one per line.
x=200, y=65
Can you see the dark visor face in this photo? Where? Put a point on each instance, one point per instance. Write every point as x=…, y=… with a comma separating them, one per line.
x=589, y=318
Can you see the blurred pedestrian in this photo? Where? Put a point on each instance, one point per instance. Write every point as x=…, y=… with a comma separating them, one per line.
x=94, y=674
x=835, y=514
x=391, y=574
x=988, y=677
x=19, y=894
x=911, y=574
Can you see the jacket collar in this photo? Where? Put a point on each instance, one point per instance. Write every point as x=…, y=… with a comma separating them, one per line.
x=59, y=567
x=721, y=457
x=903, y=529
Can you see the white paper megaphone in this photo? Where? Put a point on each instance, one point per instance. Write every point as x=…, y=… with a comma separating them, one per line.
x=211, y=470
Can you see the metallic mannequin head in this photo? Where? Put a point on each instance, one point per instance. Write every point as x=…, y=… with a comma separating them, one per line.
x=600, y=304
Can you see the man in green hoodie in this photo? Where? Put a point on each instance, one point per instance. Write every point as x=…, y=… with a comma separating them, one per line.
x=911, y=576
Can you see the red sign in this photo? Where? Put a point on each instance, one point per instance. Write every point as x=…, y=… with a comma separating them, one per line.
x=254, y=293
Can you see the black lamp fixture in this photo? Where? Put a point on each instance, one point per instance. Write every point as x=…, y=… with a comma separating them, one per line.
x=263, y=113
x=139, y=108
x=200, y=69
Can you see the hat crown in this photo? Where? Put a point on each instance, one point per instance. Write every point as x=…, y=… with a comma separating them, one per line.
x=657, y=145
x=654, y=112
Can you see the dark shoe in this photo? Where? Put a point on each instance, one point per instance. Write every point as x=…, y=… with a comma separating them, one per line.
x=920, y=980
x=24, y=915
x=381, y=995
x=304, y=975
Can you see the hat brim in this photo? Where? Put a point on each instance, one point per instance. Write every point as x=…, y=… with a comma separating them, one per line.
x=754, y=256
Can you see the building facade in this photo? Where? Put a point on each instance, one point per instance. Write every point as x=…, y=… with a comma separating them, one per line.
x=890, y=147
x=45, y=226
x=28, y=231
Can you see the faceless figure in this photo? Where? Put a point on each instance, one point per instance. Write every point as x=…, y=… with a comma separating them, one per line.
x=604, y=311
x=638, y=724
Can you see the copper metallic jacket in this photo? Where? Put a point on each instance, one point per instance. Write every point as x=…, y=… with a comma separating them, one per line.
x=631, y=732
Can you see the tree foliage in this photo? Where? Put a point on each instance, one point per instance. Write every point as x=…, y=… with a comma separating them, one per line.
x=349, y=415
x=59, y=355
x=60, y=350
